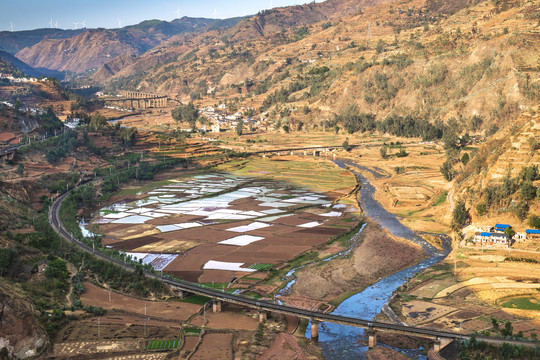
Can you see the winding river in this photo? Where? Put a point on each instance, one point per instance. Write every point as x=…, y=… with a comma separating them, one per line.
x=345, y=342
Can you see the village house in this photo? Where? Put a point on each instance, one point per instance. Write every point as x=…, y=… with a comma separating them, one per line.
x=501, y=227
x=532, y=234
x=491, y=238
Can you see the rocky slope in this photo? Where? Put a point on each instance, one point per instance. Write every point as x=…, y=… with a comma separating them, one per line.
x=21, y=335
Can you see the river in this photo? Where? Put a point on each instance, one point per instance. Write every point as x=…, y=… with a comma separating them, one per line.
x=345, y=342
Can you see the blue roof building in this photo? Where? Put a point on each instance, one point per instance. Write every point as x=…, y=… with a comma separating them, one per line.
x=501, y=227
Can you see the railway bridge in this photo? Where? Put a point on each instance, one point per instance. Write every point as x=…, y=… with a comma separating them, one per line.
x=137, y=100
x=441, y=338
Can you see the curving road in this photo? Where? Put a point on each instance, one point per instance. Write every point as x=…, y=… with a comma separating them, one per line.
x=314, y=316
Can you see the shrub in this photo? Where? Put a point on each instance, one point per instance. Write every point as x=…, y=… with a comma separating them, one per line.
x=534, y=221
x=481, y=209
x=465, y=159
x=527, y=190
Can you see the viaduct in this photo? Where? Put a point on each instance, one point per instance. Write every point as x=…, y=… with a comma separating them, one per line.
x=441, y=338
x=137, y=100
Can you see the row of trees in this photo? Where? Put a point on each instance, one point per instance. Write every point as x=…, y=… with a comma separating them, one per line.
x=502, y=196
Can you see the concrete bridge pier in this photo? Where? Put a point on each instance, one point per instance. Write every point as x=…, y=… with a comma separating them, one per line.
x=314, y=330
x=440, y=344
x=216, y=306
x=372, y=338
x=263, y=315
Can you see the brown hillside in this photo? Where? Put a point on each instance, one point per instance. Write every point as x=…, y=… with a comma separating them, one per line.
x=78, y=54
x=406, y=58
x=112, y=67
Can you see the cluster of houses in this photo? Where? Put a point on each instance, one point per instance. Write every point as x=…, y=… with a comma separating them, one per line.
x=26, y=109
x=14, y=79
x=221, y=119
x=498, y=235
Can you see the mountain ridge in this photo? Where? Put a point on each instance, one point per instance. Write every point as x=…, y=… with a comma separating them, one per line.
x=91, y=48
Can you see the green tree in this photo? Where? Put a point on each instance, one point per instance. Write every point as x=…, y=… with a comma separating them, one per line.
x=97, y=121
x=383, y=150
x=402, y=153
x=508, y=329
x=459, y=216
x=239, y=127
x=529, y=173
x=285, y=128
x=510, y=232
x=345, y=145
x=527, y=190
x=447, y=171
x=465, y=159
x=57, y=269
x=20, y=169
x=534, y=221
x=249, y=112
x=450, y=140
x=188, y=113
x=128, y=136
x=9, y=258
x=521, y=210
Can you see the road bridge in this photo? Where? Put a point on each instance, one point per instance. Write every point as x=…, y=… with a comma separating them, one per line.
x=440, y=337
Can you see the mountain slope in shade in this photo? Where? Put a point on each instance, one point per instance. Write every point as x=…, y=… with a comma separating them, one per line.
x=95, y=47
x=9, y=64
x=15, y=41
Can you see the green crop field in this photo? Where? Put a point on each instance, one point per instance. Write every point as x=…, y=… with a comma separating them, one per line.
x=522, y=303
x=192, y=331
x=318, y=176
x=261, y=267
x=163, y=344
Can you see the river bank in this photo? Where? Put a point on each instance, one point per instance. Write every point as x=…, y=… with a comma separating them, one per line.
x=378, y=255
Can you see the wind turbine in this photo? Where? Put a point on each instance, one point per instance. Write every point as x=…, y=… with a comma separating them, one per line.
x=83, y=24
x=11, y=26
x=51, y=23
x=177, y=13
x=76, y=25
x=56, y=25
x=119, y=23
x=215, y=13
